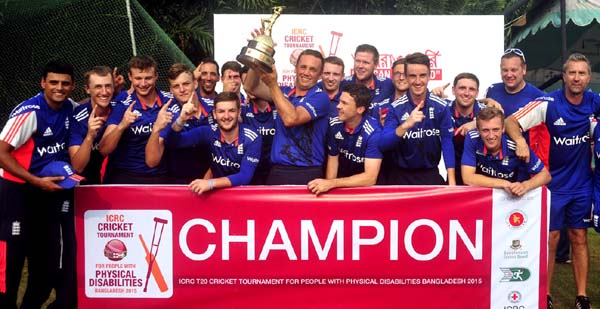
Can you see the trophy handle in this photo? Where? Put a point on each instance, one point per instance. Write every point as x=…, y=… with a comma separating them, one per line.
x=267, y=24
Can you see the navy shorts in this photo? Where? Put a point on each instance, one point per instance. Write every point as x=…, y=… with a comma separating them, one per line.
x=573, y=210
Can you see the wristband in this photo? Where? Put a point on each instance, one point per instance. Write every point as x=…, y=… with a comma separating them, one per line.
x=210, y=184
x=179, y=124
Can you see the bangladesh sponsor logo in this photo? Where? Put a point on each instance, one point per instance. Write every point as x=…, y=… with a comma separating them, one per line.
x=516, y=244
x=514, y=297
x=516, y=251
x=516, y=219
x=515, y=274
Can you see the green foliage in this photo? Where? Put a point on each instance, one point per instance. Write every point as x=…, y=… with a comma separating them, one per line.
x=190, y=23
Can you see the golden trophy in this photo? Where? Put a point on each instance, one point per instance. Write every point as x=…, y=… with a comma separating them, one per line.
x=259, y=53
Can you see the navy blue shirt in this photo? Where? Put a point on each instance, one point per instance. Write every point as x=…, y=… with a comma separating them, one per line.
x=381, y=88
x=422, y=145
x=303, y=145
x=38, y=133
x=352, y=148
x=264, y=123
x=569, y=127
x=79, y=129
x=130, y=153
x=504, y=165
x=236, y=161
x=185, y=165
x=459, y=140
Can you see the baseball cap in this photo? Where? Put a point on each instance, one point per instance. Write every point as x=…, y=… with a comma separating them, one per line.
x=61, y=168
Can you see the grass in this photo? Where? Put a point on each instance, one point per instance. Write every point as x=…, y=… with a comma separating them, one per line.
x=563, y=285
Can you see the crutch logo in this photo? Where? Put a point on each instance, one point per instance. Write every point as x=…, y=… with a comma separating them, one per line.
x=151, y=254
x=333, y=45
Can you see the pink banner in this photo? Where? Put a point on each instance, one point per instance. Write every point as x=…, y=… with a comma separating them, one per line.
x=153, y=247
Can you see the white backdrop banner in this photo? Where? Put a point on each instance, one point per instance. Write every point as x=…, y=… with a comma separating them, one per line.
x=454, y=44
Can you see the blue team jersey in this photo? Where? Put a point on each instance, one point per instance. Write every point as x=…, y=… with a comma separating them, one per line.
x=422, y=145
x=569, y=126
x=78, y=132
x=130, y=153
x=185, y=165
x=38, y=134
x=457, y=121
x=236, y=161
x=352, y=148
x=504, y=165
x=264, y=123
x=596, y=181
x=334, y=100
x=302, y=145
x=515, y=101
x=381, y=88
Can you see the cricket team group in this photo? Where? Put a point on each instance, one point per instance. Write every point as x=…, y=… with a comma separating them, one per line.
x=326, y=132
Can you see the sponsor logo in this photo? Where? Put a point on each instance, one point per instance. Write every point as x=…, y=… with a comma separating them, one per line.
x=493, y=173
x=144, y=129
x=217, y=144
x=339, y=136
x=421, y=133
x=514, y=297
x=225, y=162
x=52, y=149
x=560, y=122
x=571, y=141
x=22, y=108
x=352, y=157
x=48, y=132
x=251, y=159
x=516, y=244
x=516, y=251
x=516, y=218
x=266, y=131
x=405, y=116
x=515, y=274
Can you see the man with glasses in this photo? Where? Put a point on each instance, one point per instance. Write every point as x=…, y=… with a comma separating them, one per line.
x=513, y=93
x=566, y=113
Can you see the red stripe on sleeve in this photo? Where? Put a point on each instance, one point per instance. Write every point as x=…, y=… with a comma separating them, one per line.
x=14, y=129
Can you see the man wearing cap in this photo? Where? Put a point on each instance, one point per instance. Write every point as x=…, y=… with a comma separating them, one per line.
x=33, y=208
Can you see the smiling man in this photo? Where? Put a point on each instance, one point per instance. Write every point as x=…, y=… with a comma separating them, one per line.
x=130, y=125
x=566, y=113
x=34, y=209
x=298, y=151
x=418, y=129
x=490, y=160
x=88, y=124
x=234, y=147
x=353, y=143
